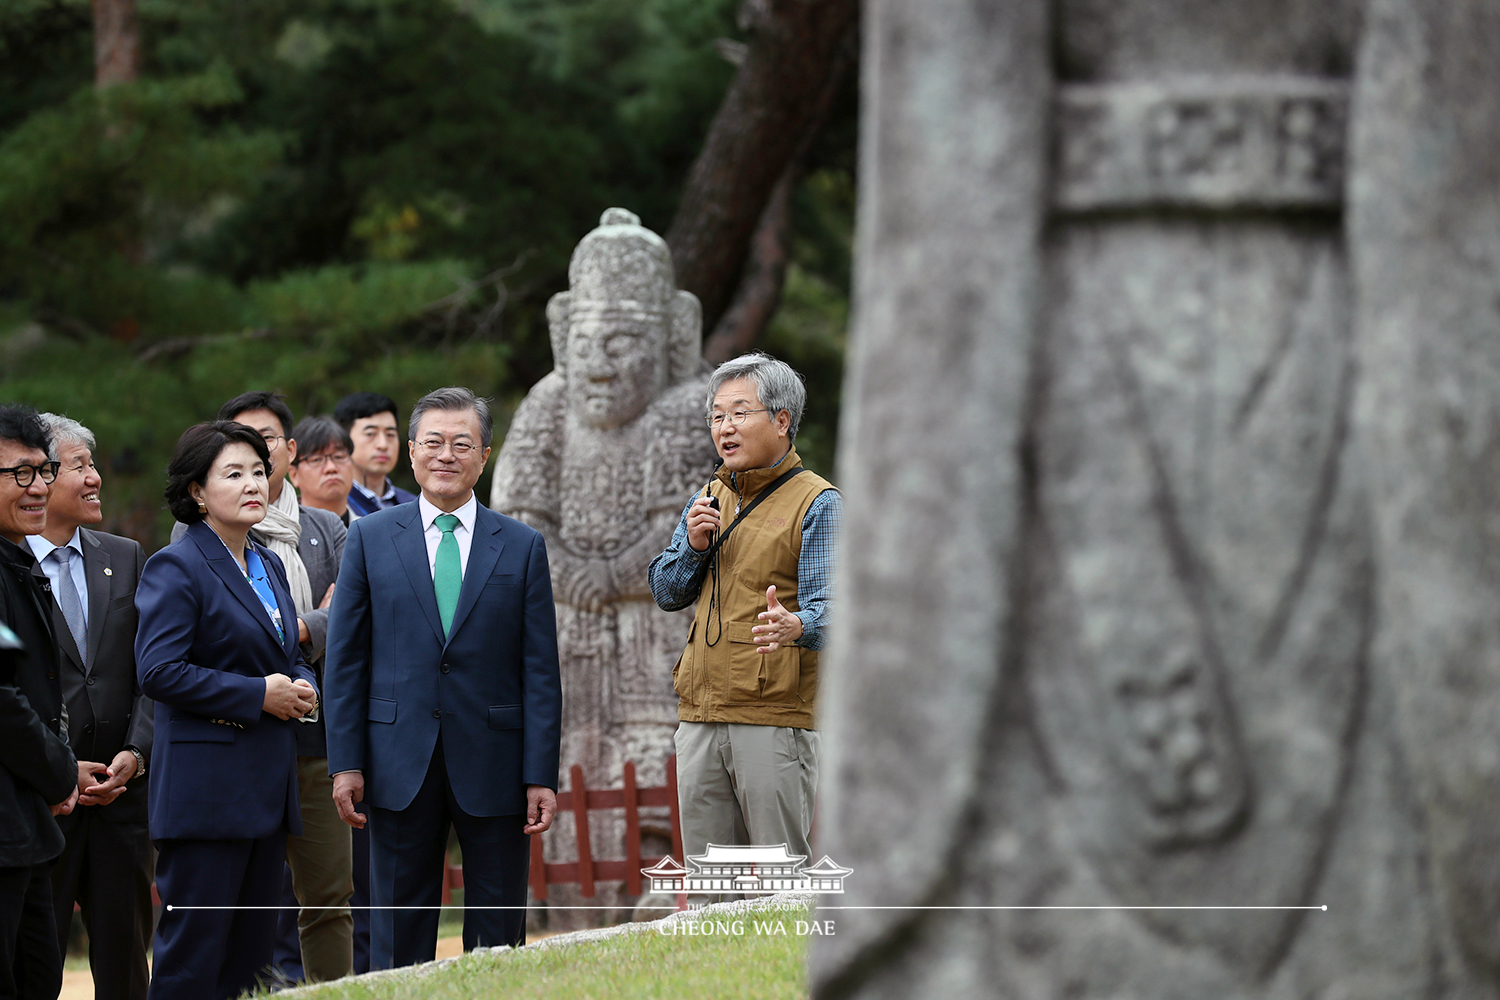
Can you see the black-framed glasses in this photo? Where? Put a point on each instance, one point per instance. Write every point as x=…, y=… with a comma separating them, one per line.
x=272, y=440
x=25, y=475
x=738, y=418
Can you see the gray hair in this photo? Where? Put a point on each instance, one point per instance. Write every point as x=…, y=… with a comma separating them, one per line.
x=776, y=383
x=451, y=398
x=64, y=429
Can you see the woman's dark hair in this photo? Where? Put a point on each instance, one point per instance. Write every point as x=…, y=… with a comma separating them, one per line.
x=197, y=450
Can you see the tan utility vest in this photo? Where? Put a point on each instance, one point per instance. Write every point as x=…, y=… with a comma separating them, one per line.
x=720, y=677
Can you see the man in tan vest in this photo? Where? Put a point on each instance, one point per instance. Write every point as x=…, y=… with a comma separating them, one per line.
x=755, y=550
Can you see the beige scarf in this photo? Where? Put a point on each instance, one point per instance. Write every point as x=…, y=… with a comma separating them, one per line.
x=280, y=531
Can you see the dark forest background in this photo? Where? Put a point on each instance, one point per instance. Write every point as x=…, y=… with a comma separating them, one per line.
x=200, y=197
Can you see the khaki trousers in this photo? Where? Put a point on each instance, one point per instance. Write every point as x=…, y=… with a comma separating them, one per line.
x=742, y=785
x=322, y=863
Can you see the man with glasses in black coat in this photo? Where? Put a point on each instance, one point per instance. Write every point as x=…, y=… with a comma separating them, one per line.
x=38, y=773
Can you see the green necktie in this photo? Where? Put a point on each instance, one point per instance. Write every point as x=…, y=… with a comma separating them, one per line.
x=447, y=574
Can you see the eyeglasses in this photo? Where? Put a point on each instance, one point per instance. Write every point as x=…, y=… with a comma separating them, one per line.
x=272, y=440
x=738, y=418
x=433, y=447
x=25, y=475
x=336, y=457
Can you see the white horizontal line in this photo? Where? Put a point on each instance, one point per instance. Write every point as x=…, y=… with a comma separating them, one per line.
x=1324, y=907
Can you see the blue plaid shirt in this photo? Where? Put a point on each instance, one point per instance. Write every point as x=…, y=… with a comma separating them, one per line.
x=671, y=573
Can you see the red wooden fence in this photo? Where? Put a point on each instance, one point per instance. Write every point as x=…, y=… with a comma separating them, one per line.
x=579, y=799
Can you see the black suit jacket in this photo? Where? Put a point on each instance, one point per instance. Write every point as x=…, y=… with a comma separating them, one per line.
x=36, y=767
x=106, y=710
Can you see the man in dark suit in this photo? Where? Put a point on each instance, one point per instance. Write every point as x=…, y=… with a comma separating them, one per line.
x=443, y=693
x=38, y=774
x=106, y=866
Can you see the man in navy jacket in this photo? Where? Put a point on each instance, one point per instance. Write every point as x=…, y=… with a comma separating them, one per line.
x=444, y=699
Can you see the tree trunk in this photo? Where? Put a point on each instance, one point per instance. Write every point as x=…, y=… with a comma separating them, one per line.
x=794, y=46
x=117, y=43
x=770, y=250
x=765, y=273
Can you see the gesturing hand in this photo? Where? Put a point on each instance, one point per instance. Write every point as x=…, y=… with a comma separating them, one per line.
x=778, y=625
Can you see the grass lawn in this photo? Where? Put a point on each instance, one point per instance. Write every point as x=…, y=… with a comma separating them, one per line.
x=758, y=963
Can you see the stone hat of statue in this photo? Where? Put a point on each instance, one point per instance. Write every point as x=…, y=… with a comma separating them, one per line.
x=623, y=263
x=623, y=267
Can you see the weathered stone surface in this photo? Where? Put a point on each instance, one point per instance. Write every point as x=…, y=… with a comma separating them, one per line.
x=601, y=457
x=1173, y=485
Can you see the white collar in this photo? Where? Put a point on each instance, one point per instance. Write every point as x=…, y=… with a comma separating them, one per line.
x=465, y=514
x=42, y=548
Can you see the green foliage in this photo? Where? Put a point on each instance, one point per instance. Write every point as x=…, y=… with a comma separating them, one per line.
x=320, y=196
x=46, y=53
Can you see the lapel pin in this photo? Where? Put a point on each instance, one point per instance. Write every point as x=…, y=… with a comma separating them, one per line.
x=108, y=571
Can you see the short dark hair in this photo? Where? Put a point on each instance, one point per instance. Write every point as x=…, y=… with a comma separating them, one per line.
x=260, y=400
x=454, y=398
x=22, y=424
x=359, y=405
x=197, y=450
x=314, y=434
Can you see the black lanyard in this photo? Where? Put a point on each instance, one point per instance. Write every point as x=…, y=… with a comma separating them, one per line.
x=710, y=559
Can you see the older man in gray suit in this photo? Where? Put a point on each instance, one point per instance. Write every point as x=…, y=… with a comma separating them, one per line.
x=106, y=866
x=310, y=543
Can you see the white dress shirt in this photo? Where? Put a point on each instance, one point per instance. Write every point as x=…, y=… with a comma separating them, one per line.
x=463, y=533
x=42, y=549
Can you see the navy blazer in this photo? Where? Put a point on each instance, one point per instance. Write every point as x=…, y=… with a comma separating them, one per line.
x=492, y=687
x=222, y=767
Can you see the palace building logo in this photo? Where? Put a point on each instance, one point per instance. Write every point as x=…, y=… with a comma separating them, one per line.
x=746, y=869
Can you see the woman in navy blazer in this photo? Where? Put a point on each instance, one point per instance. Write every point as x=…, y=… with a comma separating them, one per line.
x=215, y=652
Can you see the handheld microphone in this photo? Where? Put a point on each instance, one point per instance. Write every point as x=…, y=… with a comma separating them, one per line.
x=713, y=501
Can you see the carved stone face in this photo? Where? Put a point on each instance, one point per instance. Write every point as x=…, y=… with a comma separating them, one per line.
x=617, y=361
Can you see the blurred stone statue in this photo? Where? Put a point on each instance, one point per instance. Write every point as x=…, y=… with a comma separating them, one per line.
x=598, y=458
x=1172, y=459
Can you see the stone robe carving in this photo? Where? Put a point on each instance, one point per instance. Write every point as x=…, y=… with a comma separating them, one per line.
x=1173, y=468
x=600, y=457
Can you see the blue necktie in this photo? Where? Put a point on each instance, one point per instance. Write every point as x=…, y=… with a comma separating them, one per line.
x=67, y=599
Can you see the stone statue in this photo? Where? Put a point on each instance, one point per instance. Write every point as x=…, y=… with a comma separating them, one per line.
x=601, y=457
x=1172, y=462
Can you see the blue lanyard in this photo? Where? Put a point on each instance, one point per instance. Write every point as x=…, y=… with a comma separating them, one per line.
x=256, y=575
